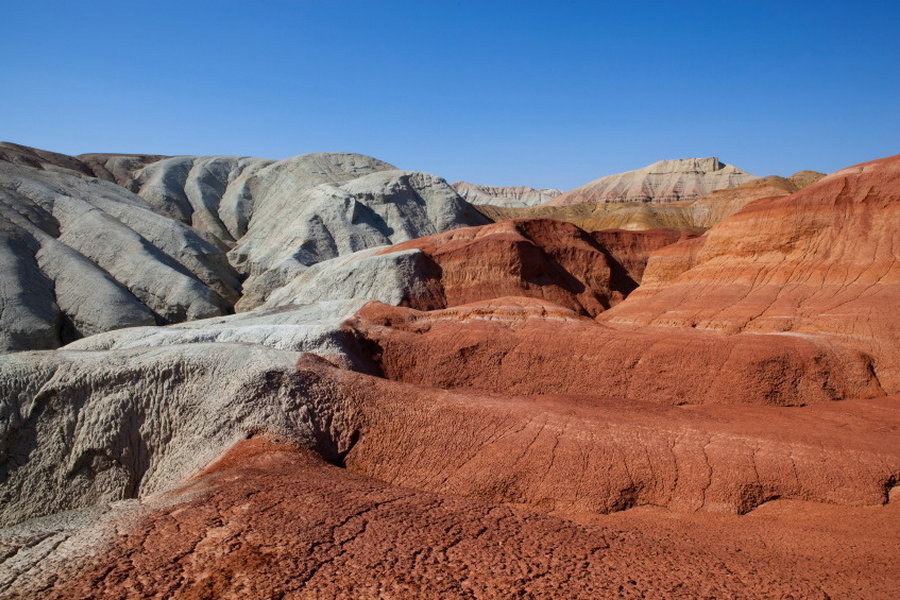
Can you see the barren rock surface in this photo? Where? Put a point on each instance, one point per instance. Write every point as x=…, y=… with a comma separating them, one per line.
x=492, y=411
x=277, y=522
x=82, y=255
x=663, y=181
x=535, y=258
x=512, y=196
x=99, y=242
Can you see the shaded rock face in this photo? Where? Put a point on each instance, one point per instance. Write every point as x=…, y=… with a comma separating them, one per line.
x=717, y=433
x=663, y=181
x=81, y=256
x=539, y=258
x=511, y=196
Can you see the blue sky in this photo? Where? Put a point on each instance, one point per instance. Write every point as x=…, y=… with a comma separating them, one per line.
x=532, y=93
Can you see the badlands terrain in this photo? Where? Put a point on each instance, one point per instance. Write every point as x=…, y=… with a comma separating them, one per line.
x=327, y=377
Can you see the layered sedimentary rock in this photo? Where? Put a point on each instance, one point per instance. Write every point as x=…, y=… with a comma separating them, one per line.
x=632, y=249
x=818, y=264
x=694, y=215
x=512, y=196
x=535, y=258
x=663, y=181
x=487, y=346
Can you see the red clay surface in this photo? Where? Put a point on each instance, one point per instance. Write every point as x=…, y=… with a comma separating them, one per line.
x=273, y=521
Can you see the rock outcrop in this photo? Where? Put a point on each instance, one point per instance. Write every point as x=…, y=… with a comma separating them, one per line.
x=663, y=181
x=468, y=475
x=818, y=264
x=195, y=237
x=511, y=196
x=82, y=255
x=535, y=258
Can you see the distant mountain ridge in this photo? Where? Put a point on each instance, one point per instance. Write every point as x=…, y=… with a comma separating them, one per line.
x=663, y=181
x=515, y=196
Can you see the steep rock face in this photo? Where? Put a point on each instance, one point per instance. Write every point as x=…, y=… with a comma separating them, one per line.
x=632, y=249
x=512, y=196
x=663, y=181
x=284, y=238
x=818, y=263
x=191, y=189
x=537, y=258
x=82, y=255
x=277, y=218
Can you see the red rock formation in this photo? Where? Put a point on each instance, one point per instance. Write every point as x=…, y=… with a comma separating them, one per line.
x=515, y=447
x=819, y=264
x=519, y=345
x=633, y=248
x=790, y=301
x=272, y=520
x=540, y=258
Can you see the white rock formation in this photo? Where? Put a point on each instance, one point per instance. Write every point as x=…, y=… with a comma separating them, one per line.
x=510, y=196
x=81, y=255
x=399, y=278
x=663, y=181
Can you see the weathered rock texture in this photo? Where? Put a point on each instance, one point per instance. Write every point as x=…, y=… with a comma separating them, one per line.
x=277, y=522
x=663, y=181
x=269, y=518
x=195, y=237
x=513, y=196
x=488, y=346
x=818, y=264
x=535, y=258
x=81, y=256
x=693, y=215
x=730, y=429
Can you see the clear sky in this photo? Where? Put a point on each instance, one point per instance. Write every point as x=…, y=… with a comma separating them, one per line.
x=547, y=94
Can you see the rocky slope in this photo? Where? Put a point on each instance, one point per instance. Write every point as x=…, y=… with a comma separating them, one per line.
x=535, y=258
x=720, y=432
x=511, y=196
x=663, y=181
x=81, y=256
x=195, y=237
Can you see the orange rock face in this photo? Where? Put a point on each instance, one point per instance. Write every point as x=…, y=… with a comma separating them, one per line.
x=819, y=264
